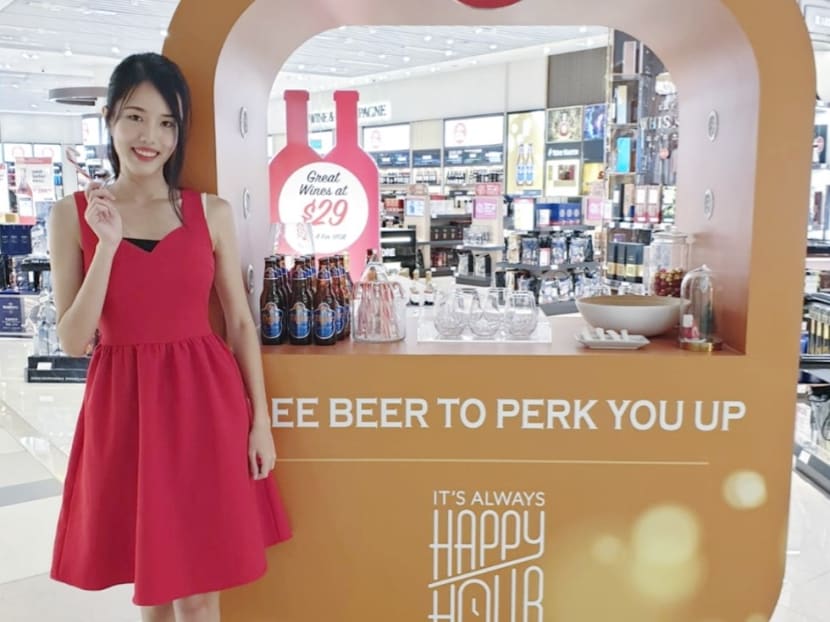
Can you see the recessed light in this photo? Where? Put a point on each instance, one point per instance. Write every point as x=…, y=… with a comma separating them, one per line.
x=341, y=28
x=373, y=31
x=300, y=67
x=407, y=73
x=30, y=56
x=583, y=29
x=382, y=56
x=448, y=52
x=15, y=86
x=33, y=105
x=433, y=69
x=547, y=50
x=427, y=37
x=493, y=46
x=115, y=49
x=478, y=31
x=333, y=69
x=590, y=42
x=450, y=41
x=163, y=32
x=67, y=52
x=406, y=59
x=474, y=62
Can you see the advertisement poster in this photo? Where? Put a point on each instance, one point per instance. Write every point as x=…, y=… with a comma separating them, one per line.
x=386, y=138
x=565, y=125
x=486, y=208
x=562, y=178
x=34, y=181
x=595, y=120
x=592, y=172
x=48, y=151
x=474, y=131
x=12, y=151
x=525, y=153
x=5, y=207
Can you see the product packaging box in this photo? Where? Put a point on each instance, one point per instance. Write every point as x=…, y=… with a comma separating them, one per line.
x=563, y=213
x=15, y=239
x=641, y=204
x=653, y=204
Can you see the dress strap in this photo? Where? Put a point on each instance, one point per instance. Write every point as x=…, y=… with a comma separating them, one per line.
x=194, y=210
x=88, y=238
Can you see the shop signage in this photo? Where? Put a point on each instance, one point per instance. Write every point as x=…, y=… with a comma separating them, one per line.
x=12, y=151
x=336, y=195
x=486, y=208
x=34, y=177
x=525, y=160
x=366, y=113
x=474, y=131
x=11, y=314
x=392, y=159
x=563, y=151
x=426, y=158
x=817, y=16
x=474, y=156
x=386, y=138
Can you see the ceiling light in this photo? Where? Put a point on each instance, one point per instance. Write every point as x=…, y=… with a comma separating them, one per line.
x=33, y=105
x=433, y=69
x=474, y=62
x=583, y=29
x=15, y=85
x=406, y=59
x=590, y=42
x=479, y=31
x=493, y=46
x=448, y=52
x=333, y=69
x=427, y=37
x=30, y=56
x=300, y=67
x=547, y=50
x=341, y=28
x=115, y=49
x=163, y=32
x=373, y=31
x=450, y=41
x=67, y=52
x=382, y=56
x=407, y=73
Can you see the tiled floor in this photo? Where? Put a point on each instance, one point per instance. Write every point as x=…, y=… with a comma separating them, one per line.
x=36, y=426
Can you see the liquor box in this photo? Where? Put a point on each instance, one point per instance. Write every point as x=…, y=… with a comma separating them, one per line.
x=563, y=213
x=15, y=239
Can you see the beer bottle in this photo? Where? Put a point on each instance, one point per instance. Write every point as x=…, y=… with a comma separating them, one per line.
x=272, y=307
x=299, y=318
x=325, y=333
x=282, y=281
x=337, y=292
x=347, y=289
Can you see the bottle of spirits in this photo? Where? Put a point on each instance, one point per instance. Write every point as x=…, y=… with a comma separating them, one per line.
x=348, y=154
x=429, y=290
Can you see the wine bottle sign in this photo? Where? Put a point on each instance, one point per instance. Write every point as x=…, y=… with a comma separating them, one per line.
x=331, y=199
x=338, y=196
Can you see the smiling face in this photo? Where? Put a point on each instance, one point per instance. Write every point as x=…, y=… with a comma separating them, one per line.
x=144, y=132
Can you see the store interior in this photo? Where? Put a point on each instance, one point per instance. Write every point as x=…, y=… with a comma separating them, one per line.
x=538, y=160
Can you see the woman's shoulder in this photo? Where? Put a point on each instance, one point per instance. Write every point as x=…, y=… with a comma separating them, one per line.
x=67, y=206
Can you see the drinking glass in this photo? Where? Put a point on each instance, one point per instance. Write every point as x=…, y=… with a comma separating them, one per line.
x=520, y=315
x=450, y=316
x=487, y=317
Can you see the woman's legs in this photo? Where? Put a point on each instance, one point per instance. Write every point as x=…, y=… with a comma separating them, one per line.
x=197, y=608
x=161, y=613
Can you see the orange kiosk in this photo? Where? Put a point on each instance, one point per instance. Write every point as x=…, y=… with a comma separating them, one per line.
x=428, y=483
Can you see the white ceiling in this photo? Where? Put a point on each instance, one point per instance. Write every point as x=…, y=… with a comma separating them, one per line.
x=46, y=44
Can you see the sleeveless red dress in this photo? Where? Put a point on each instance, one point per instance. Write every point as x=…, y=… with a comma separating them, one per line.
x=158, y=490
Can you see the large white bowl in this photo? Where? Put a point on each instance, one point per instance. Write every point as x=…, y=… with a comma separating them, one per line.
x=639, y=315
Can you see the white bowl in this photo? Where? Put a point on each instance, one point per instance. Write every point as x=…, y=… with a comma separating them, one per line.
x=639, y=315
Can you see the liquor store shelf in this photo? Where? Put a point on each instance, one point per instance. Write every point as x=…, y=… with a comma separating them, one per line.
x=812, y=466
x=589, y=265
x=442, y=271
x=473, y=281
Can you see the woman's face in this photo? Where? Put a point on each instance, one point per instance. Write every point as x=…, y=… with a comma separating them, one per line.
x=144, y=132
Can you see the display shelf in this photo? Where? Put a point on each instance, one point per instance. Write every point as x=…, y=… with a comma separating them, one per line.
x=553, y=267
x=559, y=228
x=474, y=281
x=459, y=216
x=812, y=466
x=484, y=249
x=443, y=271
x=626, y=77
x=562, y=307
x=622, y=224
x=57, y=369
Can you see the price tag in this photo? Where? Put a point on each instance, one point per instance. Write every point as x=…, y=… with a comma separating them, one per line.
x=44, y=366
x=804, y=456
x=330, y=199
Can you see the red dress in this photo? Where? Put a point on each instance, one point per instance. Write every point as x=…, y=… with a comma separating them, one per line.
x=158, y=490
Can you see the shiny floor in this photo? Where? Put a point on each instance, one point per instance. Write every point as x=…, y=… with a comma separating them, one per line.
x=36, y=427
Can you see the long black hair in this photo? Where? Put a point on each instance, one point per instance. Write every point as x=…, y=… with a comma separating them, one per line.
x=169, y=81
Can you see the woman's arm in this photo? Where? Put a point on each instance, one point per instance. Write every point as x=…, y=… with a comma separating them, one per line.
x=78, y=299
x=241, y=331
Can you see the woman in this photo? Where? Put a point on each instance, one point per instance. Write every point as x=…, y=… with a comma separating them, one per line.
x=169, y=484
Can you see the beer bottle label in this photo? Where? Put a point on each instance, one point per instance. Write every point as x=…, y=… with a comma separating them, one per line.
x=272, y=321
x=324, y=322
x=299, y=325
x=339, y=319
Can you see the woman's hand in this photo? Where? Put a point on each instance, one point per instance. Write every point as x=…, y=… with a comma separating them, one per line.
x=102, y=215
x=262, y=455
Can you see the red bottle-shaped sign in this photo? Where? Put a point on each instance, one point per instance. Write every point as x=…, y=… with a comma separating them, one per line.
x=296, y=153
x=337, y=196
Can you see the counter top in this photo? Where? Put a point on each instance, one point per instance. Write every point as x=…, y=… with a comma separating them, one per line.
x=563, y=329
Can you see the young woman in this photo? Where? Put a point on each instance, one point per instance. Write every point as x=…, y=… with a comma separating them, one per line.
x=169, y=484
